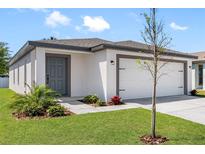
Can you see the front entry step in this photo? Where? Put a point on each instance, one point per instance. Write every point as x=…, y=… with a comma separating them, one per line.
x=70, y=99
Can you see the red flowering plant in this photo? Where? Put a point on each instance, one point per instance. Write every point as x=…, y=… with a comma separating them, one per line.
x=116, y=100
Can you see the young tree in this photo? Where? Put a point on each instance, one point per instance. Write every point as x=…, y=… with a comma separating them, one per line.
x=156, y=40
x=4, y=58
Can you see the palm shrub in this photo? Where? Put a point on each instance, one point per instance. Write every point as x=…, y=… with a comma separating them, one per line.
x=56, y=111
x=36, y=102
x=42, y=95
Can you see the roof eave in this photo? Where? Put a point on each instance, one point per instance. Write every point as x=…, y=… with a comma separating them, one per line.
x=198, y=61
x=22, y=51
x=30, y=45
x=111, y=46
x=58, y=46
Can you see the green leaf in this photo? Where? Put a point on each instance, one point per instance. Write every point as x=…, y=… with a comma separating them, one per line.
x=138, y=61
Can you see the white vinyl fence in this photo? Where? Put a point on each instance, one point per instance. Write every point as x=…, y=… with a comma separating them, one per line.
x=4, y=82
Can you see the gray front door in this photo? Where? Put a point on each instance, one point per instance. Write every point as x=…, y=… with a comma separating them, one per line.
x=56, y=73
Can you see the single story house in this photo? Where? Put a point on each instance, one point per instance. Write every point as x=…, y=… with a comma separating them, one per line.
x=198, y=70
x=79, y=67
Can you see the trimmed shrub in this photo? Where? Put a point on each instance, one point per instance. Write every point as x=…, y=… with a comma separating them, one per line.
x=193, y=92
x=93, y=99
x=56, y=111
x=100, y=103
x=48, y=102
x=33, y=110
x=90, y=99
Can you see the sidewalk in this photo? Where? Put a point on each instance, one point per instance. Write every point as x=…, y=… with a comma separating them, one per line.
x=78, y=107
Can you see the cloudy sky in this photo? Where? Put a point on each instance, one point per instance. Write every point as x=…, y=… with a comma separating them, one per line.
x=185, y=26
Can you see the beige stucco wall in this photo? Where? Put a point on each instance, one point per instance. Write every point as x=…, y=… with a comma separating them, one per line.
x=20, y=87
x=96, y=74
x=88, y=71
x=77, y=69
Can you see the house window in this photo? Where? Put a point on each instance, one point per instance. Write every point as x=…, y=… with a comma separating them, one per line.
x=18, y=75
x=25, y=73
x=200, y=75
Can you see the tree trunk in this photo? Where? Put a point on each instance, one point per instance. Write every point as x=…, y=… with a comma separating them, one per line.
x=154, y=100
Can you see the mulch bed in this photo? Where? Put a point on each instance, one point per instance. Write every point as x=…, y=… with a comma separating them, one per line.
x=23, y=116
x=148, y=139
x=111, y=103
x=106, y=104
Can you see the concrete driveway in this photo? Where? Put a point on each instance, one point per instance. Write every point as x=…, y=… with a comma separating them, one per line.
x=187, y=107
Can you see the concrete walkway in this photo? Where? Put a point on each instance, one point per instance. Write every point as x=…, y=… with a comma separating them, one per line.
x=78, y=107
x=186, y=107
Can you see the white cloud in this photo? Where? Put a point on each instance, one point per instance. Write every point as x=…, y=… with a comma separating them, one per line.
x=56, y=18
x=95, y=24
x=174, y=26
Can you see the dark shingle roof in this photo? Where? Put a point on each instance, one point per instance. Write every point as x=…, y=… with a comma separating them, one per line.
x=88, y=42
x=90, y=45
x=134, y=44
x=201, y=54
x=92, y=42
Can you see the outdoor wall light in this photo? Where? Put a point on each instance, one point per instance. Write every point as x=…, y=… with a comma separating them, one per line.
x=112, y=62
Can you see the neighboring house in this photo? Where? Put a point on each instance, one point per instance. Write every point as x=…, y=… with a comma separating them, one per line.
x=79, y=67
x=4, y=81
x=198, y=71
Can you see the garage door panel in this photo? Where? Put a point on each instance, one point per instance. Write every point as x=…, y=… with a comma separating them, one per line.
x=169, y=91
x=140, y=91
x=135, y=86
x=128, y=63
x=136, y=82
x=134, y=74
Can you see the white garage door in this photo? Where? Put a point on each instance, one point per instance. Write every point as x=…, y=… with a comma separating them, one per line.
x=136, y=82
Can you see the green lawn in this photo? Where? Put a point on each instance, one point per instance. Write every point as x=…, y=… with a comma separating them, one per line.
x=201, y=93
x=118, y=127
